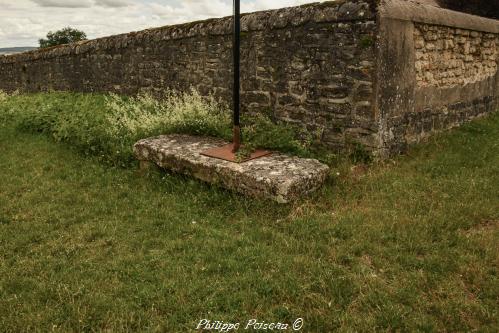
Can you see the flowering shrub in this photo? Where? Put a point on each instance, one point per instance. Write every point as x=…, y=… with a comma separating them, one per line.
x=175, y=112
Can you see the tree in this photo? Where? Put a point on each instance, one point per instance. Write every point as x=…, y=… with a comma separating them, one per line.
x=63, y=36
x=487, y=8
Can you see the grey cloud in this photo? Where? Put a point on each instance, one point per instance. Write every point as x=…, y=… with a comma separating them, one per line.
x=113, y=3
x=64, y=3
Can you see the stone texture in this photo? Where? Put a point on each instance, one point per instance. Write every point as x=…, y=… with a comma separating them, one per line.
x=278, y=177
x=446, y=57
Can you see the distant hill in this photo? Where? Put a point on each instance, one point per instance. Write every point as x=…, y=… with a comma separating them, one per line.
x=12, y=50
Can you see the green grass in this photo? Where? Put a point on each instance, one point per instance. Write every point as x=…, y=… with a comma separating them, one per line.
x=405, y=245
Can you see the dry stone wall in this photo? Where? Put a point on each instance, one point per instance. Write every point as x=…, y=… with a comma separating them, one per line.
x=446, y=56
x=311, y=65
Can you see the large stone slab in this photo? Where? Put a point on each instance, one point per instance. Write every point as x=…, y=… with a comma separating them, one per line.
x=277, y=176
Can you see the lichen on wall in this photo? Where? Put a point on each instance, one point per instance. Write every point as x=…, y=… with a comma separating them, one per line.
x=448, y=57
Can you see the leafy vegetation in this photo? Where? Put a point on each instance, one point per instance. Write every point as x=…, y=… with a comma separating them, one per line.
x=406, y=245
x=64, y=36
x=109, y=125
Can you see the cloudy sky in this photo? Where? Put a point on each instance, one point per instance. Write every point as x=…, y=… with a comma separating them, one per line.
x=23, y=22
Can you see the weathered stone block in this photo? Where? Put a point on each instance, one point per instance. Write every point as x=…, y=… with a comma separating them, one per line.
x=278, y=177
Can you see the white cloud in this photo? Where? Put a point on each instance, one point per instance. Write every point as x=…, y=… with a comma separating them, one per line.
x=190, y=10
x=272, y=4
x=23, y=22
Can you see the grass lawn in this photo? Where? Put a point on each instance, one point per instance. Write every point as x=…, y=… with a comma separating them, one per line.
x=410, y=244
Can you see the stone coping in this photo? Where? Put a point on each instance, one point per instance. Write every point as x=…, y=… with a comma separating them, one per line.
x=278, y=177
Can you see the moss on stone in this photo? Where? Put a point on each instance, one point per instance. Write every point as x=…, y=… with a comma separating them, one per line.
x=366, y=41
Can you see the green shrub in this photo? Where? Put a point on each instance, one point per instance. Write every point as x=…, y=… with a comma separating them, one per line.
x=109, y=125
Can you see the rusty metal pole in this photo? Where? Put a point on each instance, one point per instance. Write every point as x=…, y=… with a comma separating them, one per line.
x=236, y=51
x=229, y=152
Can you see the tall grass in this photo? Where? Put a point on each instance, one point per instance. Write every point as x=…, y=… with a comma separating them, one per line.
x=3, y=96
x=108, y=125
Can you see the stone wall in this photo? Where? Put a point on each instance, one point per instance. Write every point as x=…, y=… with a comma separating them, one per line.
x=446, y=56
x=311, y=65
x=436, y=70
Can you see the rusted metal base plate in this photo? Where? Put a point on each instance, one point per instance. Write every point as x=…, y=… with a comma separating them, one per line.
x=225, y=153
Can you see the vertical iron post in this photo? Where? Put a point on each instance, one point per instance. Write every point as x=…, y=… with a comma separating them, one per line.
x=228, y=152
x=236, y=49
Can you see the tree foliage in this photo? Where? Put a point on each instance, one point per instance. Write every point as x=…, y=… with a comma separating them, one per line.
x=64, y=36
x=486, y=8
